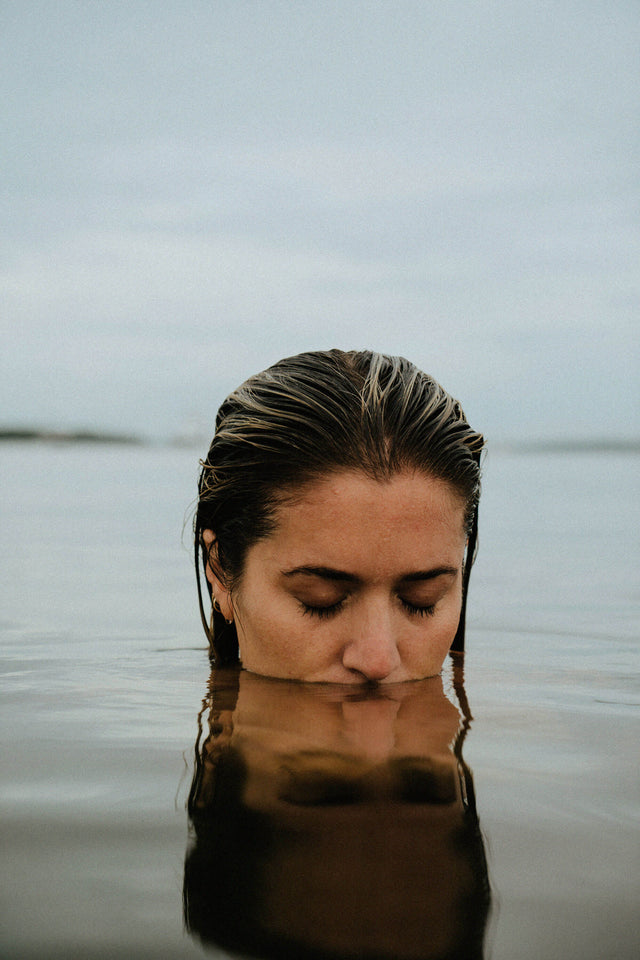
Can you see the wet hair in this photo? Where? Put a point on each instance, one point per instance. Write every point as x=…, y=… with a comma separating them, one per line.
x=309, y=416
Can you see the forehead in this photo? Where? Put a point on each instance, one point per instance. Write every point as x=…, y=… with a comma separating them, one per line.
x=350, y=511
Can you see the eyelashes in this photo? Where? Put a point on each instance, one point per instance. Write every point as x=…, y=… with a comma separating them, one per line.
x=427, y=611
x=325, y=613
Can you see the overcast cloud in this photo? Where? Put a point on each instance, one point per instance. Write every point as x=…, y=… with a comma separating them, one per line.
x=194, y=190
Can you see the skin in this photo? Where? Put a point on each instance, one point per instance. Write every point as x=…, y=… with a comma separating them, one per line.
x=361, y=581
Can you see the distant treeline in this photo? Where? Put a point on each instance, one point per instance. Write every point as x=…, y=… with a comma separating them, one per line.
x=596, y=445
x=66, y=436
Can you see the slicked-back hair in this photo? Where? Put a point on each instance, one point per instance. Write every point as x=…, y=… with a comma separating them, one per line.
x=312, y=415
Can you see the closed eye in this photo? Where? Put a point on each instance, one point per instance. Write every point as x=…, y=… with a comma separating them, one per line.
x=323, y=612
x=326, y=611
x=420, y=611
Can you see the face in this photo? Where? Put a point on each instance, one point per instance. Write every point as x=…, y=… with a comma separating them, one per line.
x=361, y=580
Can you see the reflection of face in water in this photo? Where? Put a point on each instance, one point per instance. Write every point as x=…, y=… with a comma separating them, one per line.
x=334, y=823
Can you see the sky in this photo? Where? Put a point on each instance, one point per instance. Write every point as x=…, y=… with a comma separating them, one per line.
x=194, y=190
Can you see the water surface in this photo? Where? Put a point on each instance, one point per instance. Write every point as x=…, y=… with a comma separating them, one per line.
x=104, y=672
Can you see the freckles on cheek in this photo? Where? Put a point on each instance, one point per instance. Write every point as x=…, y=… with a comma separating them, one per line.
x=263, y=636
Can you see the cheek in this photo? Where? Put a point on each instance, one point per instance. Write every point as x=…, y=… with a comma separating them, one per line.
x=268, y=635
x=276, y=640
x=434, y=640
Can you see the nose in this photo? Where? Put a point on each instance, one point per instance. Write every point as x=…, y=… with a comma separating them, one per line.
x=372, y=649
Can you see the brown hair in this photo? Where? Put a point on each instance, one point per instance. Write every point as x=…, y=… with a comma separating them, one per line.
x=308, y=416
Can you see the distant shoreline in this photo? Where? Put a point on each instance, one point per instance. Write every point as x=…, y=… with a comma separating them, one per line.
x=540, y=446
x=597, y=445
x=67, y=436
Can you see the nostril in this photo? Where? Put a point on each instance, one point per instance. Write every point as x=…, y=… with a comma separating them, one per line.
x=365, y=678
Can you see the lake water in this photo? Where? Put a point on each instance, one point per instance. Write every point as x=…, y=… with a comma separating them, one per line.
x=105, y=672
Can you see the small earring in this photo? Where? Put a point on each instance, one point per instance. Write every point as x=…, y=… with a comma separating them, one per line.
x=215, y=603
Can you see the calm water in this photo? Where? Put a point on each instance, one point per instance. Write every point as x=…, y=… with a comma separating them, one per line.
x=105, y=693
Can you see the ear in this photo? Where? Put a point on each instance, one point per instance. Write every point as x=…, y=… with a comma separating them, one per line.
x=219, y=589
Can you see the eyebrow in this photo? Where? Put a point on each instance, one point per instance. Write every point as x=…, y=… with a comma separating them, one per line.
x=328, y=573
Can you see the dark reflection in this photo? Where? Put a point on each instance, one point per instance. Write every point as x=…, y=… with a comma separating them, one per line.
x=335, y=822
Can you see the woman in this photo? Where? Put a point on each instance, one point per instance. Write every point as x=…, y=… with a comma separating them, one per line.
x=337, y=521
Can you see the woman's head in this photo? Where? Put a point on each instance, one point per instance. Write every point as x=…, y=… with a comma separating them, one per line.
x=316, y=434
